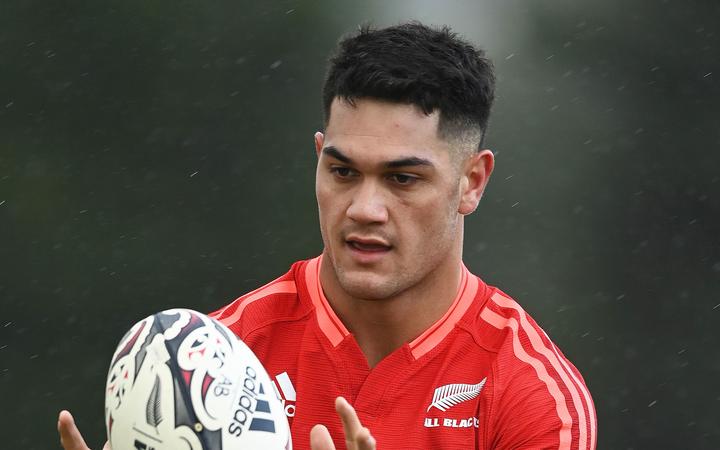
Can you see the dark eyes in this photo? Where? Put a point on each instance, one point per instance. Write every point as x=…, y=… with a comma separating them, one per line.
x=401, y=179
x=342, y=172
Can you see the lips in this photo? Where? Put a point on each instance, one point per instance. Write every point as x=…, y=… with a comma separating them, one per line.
x=365, y=244
x=368, y=247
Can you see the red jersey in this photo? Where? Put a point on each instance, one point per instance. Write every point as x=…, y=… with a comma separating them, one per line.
x=484, y=376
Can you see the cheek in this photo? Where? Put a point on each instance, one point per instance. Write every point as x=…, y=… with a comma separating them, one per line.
x=437, y=220
x=322, y=194
x=425, y=221
x=329, y=205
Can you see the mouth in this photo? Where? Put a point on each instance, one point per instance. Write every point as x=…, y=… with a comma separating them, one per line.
x=368, y=245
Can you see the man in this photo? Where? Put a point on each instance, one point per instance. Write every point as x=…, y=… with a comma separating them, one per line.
x=388, y=317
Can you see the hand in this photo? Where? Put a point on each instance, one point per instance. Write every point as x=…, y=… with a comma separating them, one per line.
x=357, y=437
x=70, y=436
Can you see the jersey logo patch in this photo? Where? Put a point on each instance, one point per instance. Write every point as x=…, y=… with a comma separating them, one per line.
x=447, y=396
x=285, y=388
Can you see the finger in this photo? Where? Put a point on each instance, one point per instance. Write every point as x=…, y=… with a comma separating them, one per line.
x=350, y=421
x=70, y=436
x=357, y=437
x=364, y=440
x=107, y=446
x=320, y=438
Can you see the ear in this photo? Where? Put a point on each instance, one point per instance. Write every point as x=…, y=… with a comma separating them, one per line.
x=475, y=176
x=319, y=139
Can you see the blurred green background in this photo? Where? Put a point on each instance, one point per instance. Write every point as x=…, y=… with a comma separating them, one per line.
x=158, y=154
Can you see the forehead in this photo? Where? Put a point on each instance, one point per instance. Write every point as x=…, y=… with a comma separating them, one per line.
x=380, y=130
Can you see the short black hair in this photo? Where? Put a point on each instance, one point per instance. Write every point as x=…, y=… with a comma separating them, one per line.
x=431, y=68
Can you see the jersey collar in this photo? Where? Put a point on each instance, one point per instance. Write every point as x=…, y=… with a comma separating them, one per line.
x=333, y=328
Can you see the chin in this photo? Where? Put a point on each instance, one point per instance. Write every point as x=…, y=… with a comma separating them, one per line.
x=367, y=287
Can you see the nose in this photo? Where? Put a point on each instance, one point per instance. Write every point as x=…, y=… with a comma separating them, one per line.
x=368, y=204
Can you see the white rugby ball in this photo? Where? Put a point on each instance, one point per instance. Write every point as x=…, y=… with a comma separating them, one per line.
x=180, y=380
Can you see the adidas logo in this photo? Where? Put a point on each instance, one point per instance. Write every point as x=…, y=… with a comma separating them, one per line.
x=262, y=407
x=253, y=405
x=286, y=392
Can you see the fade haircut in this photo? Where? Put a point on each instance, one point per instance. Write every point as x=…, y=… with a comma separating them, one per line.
x=410, y=63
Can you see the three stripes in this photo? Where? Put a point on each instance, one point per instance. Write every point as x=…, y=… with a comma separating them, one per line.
x=568, y=377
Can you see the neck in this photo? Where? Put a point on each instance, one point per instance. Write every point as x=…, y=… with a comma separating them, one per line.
x=382, y=326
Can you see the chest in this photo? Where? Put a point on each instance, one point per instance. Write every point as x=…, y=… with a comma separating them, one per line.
x=438, y=402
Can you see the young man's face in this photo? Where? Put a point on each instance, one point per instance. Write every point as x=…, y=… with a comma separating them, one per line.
x=390, y=197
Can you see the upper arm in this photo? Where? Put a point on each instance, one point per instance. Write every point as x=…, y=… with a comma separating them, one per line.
x=544, y=408
x=540, y=400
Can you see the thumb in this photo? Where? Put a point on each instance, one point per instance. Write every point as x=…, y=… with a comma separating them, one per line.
x=320, y=438
x=70, y=436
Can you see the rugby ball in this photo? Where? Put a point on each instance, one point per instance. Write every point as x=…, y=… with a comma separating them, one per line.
x=180, y=380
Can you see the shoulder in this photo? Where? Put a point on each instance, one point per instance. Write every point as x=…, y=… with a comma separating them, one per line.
x=275, y=302
x=540, y=396
x=504, y=327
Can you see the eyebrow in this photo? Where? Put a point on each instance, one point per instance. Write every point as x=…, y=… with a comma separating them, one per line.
x=337, y=154
x=394, y=164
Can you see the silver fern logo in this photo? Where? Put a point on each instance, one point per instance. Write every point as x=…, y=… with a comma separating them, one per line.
x=447, y=396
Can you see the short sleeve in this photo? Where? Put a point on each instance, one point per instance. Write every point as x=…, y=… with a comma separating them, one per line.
x=540, y=400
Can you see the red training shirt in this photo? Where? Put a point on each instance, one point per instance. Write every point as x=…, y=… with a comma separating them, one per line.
x=484, y=376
